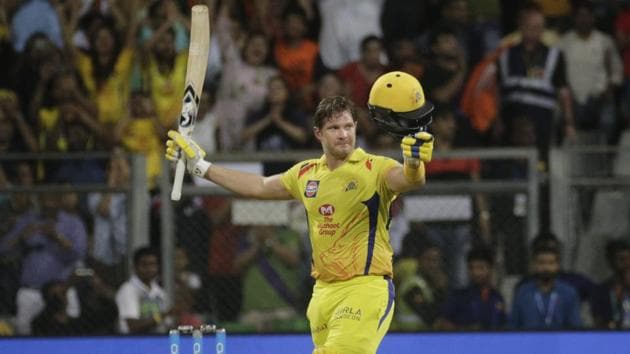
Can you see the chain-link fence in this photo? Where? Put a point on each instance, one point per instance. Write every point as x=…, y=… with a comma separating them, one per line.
x=591, y=203
x=67, y=224
x=253, y=257
x=245, y=264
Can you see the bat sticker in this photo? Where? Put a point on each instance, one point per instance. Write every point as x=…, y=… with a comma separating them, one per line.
x=189, y=108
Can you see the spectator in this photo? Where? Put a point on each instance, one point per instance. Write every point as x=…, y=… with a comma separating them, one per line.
x=533, y=63
x=610, y=305
x=164, y=72
x=269, y=263
x=545, y=302
x=359, y=75
x=404, y=56
x=51, y=242
x=278, y=126
x=54, y=320
x=98, y=308
x=35, y=66
x=296, y=55
x=165, y=13
x=421, y=295
x=141, y=132
x=345, y=23
x=243, y=85
x=109, y=212
x=455, y=15
x=479, y=305
x=106, y=67
x=446, y=69
x=532, y=83
x=582, y=284
x=594, y=71
x=142, y=304
x=61, y=101
x=328, y=85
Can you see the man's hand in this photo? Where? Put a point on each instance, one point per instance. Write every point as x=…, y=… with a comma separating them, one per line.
x=417, y=147
x=193, y=153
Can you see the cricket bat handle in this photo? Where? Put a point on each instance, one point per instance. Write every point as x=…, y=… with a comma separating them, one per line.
x=176, y=193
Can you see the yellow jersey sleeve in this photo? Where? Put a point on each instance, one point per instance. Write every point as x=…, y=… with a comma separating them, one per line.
x=291, y=176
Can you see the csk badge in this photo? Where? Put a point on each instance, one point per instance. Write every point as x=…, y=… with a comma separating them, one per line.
x=311, y=189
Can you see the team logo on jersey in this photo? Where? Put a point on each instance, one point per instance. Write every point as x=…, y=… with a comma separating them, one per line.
x=327, y=210
x=368, y=164
x=352, y=185
x=311, y=189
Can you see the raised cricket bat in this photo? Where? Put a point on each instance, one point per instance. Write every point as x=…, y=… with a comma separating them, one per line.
x=195, y=74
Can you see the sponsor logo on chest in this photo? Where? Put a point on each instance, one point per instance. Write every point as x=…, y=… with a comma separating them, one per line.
x=327, y=210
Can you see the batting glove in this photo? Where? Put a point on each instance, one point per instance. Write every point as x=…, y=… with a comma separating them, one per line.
x=193, y=153
x=417, y=147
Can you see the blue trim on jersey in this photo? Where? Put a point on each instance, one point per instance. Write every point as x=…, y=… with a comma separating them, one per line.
x=390, y=301
x=372, y=205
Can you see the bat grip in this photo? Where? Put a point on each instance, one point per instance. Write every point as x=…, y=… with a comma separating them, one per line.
x=176, y=193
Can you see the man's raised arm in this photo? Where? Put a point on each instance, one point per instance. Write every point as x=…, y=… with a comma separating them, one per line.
x=245, y=184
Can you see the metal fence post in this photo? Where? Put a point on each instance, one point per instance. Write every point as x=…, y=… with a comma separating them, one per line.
x=139, y=211
x=167, y=224
x=533, y=222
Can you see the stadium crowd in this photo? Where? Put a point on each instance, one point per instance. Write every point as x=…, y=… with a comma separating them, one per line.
x=106, y=76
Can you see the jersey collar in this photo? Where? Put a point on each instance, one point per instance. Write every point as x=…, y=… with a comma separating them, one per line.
x=357, y=155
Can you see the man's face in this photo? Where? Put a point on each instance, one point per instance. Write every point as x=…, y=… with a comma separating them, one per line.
x=294, y=26
x=446, y=46
x=278, y=92
x=583, y=20
x=329, y=86
x=479, y=272
x=165, y=47
x=256, y=50
x=147, y=268
x=372, y=54
x=431, y=260
x=546, y=266
x=49, y=203
x=338, y=135
x=532, y=27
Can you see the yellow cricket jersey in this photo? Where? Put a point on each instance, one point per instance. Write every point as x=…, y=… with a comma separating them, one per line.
x=348, y=214
x=167, y=89
x=112, y=96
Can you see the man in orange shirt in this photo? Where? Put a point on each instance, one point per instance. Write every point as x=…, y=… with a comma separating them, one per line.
x=296, y=55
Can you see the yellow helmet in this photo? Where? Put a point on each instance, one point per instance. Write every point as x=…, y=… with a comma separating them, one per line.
x=397, y=104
